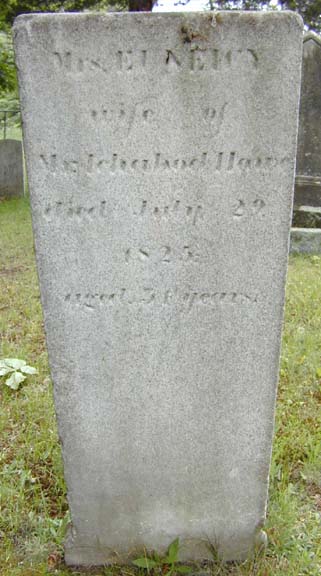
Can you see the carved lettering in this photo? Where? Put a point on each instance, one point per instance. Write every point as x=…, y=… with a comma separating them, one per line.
x=49, y=162
x=201, y=59
x=125, y=116
x=122, y=113
x=198, y=60
x=62, y=60
x=146, y=296
x=173, y=211
x=127, y=60
x=172, y=61
x=144, y=113
x=244, y=208
x=239, y=210
x=163, y=254
x=195, y=58
x=159, y=162
x=69, y=63
x=214, y=117
x=77, y=212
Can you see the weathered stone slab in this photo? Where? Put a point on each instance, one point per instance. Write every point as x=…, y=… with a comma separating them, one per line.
x=308, y=169
x=160, y=151
x=305, y=241
x=307, y=217
x=307, y=191
x=11, y=169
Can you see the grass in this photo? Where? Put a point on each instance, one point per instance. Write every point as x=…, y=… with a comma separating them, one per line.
x=34, y=511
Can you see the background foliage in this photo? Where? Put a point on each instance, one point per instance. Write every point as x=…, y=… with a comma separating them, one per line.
x=310, y=10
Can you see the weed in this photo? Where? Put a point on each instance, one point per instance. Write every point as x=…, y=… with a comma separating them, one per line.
x=16, y=370
x=166, y=565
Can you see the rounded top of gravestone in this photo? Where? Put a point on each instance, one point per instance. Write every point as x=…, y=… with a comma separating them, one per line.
x=313, y=37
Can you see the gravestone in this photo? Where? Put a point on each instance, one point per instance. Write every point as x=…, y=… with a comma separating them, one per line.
x=11, y=169
x=160, y=153
x=308, y=169
x=307, y=217
x=306, y=240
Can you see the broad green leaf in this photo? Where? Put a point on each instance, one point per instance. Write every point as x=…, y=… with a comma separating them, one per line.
x=157, y=557
x=15, y=363
x=5, y=370
x=29, y=370
x=172, y=551
x=145, y=563
x=15, y=380
x=183, y=569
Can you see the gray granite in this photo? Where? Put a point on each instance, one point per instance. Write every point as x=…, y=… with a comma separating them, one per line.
x=307, y=191
x=305, y=241
x=308, y=169
x=160, y=152
x=11, y=169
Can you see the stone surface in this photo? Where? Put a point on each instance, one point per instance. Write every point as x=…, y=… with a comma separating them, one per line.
x=308, y=169
x=160, y=152
x=11, y=168
x=305, y=241
x=307, y=217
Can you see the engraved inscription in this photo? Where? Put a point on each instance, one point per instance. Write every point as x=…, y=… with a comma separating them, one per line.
x=172, y=61
x=162, y=254
x=193, y=58
x=198, y=59
x=67, y=62
x=243, y=208
x=78, y=212
x=159, y=162
x=173, y=212
x=187, y=299
x=170, y=212
x=129, y=59
x=214, y=117
x=125, y=116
